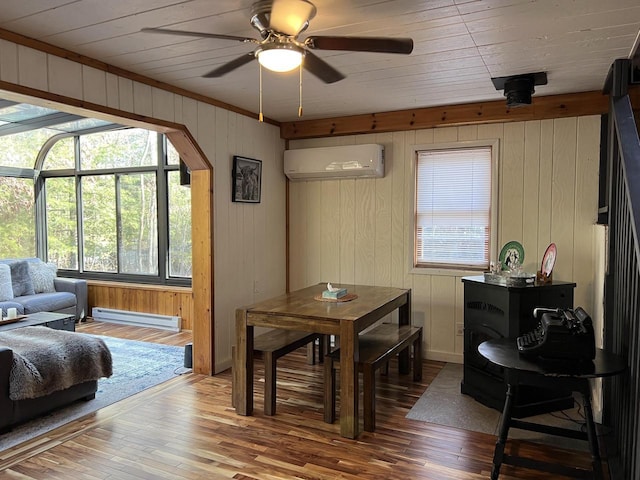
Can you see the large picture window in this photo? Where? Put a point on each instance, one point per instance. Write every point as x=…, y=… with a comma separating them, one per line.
x=107, y=216
x=454, y=206
x=104, y=202
x=99, y=199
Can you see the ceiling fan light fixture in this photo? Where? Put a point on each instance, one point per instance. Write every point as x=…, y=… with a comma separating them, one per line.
x=280, y=57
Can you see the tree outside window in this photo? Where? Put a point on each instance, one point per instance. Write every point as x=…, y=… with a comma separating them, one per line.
x=17, y=228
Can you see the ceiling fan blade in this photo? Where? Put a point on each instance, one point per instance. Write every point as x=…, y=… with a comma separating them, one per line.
x=186, y=33
x=361, y=44
x=229, y=66
x=291, y=16
x=321, y=69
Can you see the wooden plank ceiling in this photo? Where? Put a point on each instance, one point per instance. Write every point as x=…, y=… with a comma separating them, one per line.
x=459, y=46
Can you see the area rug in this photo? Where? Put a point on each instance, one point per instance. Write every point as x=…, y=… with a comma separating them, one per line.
x=136, y=367
x=443, y=404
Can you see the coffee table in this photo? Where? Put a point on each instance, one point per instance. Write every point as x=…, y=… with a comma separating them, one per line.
x=57, y=321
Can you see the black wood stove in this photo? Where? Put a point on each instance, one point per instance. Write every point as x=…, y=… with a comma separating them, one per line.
x=497, y=311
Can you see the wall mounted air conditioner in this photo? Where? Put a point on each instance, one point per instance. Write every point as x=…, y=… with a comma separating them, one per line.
x=348, y=161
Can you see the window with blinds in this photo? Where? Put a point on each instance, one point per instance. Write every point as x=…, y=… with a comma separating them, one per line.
x=453, y=208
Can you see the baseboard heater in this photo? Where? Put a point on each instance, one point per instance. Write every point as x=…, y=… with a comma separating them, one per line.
x=166, y=322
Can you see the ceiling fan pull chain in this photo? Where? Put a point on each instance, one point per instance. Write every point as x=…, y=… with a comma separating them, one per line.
x=300, y=106
x=260, y=117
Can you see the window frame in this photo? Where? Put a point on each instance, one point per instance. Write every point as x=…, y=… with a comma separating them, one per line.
x=494, y=144
x=159, y=170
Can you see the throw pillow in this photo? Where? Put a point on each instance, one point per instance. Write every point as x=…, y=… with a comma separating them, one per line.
x=6, y=291
x=42, y=275
x=20, y=279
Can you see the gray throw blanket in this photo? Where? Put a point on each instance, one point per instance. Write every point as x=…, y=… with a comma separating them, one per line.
x=47, y=360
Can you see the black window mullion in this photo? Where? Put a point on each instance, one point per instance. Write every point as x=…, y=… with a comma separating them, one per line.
x=79, y=222
x=40, y=218
x=162, y=185
x=118, y=224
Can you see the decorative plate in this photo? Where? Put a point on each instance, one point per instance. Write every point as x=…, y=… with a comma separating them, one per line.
x=549, y=259
x=511, y=253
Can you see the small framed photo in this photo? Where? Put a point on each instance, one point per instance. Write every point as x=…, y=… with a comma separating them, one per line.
x=247, y=180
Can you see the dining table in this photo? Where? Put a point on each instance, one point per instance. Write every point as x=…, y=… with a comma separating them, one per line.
x=306, y=310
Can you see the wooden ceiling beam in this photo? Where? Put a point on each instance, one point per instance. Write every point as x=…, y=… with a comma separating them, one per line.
x=554, y=106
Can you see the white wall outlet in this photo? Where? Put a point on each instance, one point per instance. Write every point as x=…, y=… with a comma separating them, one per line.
x=459, y=329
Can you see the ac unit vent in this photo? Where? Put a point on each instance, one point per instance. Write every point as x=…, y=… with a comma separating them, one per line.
x=347, y=161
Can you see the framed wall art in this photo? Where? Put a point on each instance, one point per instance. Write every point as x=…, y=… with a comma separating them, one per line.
x=247, y=180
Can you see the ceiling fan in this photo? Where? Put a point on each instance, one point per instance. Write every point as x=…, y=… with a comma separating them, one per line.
x=279, y=23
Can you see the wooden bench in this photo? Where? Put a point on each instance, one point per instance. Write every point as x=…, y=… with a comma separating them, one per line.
x=273, y=345
x=377, y=347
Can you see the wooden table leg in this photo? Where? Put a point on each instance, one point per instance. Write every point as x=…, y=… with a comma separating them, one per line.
x=498, y=453
x=404, y=318
x=417, y=358
x=596, y=462
x=349, y=395
x=243, y=365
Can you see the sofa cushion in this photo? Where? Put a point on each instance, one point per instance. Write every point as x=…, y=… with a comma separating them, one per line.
x=47, y=302
x=20, y=279
x=42, y=276
x=6, y=290
x=11, y=304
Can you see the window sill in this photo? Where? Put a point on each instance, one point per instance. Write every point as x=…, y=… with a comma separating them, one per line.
x=138, y=286
x=443, y=272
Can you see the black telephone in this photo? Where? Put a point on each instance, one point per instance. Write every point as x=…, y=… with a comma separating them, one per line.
x=560, y=334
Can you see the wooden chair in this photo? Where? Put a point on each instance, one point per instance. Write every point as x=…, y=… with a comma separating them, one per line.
x=377, y=347
x=273, y=345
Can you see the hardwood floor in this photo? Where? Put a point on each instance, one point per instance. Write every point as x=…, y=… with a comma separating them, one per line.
x=153, y=335
x=186, y=428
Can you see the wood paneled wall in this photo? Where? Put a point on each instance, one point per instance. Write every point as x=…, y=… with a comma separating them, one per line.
x=247, y=245
x=359, y=231
x=163, y=300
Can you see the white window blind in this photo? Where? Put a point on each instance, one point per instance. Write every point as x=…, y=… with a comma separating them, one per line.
x=453, y=208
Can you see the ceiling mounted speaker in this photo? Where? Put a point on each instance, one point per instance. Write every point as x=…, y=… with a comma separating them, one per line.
x=519, y=88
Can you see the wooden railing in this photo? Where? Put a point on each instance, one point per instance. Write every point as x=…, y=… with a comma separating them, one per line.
x=622, y=283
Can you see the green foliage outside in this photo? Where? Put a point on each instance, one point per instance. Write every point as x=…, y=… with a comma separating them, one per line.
x=62, y=222
x=118, y=149
x=61, y=155
x=21, y=149
x=139, y=224
x=17, y=227
x=180, y=227
x=99, y=223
